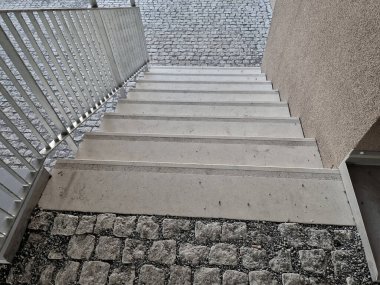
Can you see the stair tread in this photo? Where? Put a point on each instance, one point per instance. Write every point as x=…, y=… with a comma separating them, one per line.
x=205, y=70
x=151, y=95
x=190, y=125
x=201, y=149
x=193, y=85
x=238, y=109
x=273, y=194
x=115, y=115
x=203, y=78
x=251, y=92
x=210, y=103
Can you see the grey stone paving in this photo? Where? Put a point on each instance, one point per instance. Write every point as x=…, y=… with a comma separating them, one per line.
x=206, y=32
x=77, y=248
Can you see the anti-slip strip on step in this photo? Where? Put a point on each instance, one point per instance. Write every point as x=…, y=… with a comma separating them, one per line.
x=253, y=92
x=287, y=120
x=202, y=139
x=206, y=103
x=205, y=82
x=191, y=168
x=152, y=67
x=202, y=75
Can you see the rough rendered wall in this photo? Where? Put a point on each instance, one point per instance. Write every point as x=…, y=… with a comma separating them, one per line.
x=324, y=57
x=206, y=32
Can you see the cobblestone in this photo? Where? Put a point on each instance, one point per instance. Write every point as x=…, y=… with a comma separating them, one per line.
x=292, y=234
x=342, y=237
x=293, y=279
x=282, y=262
x=232, y=277
x=64, y=225
x=147, y=228
x=253, y=258
x=104, y=223
x=172, y=228
x=94, y=273
x=134, y=250
x=234, y=231
x=262, y=277
x=150, y=275
x=47, y=275
x=81, y=247
x=183, y=259
x=319, y=238
x=223, y=254
x=180, y=275
x=108, y=248
x=124, y=226
x=207, y=276
x=122, y=276
x=341, y=261
x=86, y=225
x=41, y=221
x=68, y=274
x=207, y=232
x=313, y=261
x=193, y=254
x=163, y=252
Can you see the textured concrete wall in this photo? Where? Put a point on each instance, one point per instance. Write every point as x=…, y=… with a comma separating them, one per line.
x=324, y=57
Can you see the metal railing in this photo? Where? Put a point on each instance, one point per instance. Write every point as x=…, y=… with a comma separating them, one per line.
x=57, y=67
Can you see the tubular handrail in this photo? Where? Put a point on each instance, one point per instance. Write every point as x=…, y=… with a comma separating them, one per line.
x=57, y=67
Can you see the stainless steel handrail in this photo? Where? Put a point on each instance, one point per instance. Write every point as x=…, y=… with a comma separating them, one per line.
x=57, y=67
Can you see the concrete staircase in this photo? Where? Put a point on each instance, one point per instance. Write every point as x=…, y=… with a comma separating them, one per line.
x=201, y=142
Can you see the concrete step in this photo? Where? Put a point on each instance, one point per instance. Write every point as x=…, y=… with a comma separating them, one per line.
x=202, y=126
x=311, y=196
x=170, y=95
x=157, y=76
x=203, y=86
x=211, y=109
x=205, y=70
x=282, y=152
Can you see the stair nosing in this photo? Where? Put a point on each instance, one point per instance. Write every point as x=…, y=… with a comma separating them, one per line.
x=272, y=169
x=253, y=92
x=206, y=103
x=205, y=67
x=117, y=115
x=200, y=75
x=204, y=82
x=104, y=135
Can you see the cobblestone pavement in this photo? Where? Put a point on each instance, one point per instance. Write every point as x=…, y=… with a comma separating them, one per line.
x=206, y=32
x=74, y=248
